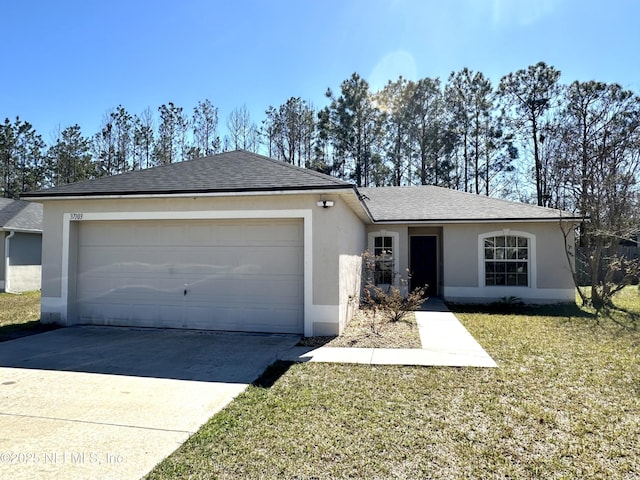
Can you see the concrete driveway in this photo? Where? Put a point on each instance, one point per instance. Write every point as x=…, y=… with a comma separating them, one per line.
x=103, y=402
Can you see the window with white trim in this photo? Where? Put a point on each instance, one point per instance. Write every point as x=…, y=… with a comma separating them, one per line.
x=507, y=260
x=384, y=260
x=383, y=246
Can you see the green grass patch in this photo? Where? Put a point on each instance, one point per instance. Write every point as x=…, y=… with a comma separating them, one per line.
x=564, y=403
x=20, y=315
x=19, y=309
x=628, y=298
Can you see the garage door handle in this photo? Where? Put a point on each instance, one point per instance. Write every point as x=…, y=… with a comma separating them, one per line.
x=185, y=291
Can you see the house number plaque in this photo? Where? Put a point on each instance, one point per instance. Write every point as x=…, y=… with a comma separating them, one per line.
x=76, y=216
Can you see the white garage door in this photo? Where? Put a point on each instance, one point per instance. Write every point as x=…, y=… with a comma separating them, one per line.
x=238, y=275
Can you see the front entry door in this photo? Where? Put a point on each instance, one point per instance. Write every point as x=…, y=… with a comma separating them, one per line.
x=423, y=263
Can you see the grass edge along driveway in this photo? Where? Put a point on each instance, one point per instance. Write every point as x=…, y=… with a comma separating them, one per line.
x=564, y=403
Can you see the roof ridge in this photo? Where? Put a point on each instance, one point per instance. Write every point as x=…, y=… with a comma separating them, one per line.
x=295, y=167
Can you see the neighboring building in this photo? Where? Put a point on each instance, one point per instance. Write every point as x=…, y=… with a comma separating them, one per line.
x=630, y=248
x=242, y=242
x=20, y=245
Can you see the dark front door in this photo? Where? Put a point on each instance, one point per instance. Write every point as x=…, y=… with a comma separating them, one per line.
x=423, y=263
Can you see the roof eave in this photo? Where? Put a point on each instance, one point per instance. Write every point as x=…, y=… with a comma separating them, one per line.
x=40, y=196
x=20, y=230
x=478, y=220
x=362, y=200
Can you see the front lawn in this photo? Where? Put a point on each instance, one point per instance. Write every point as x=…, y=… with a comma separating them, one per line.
x=20, y=315
x=19, y=309
x=563, y=404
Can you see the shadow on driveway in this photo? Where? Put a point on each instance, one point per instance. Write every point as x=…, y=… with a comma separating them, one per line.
x=76, y=398
x=174, y=354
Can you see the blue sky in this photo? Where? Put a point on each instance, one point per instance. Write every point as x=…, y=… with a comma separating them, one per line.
x=70, y=61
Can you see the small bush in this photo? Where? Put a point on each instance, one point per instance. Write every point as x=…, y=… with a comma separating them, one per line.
x=507, y=304
x=389, y=302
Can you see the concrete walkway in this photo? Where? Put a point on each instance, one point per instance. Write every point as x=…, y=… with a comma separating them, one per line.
x=445, y=342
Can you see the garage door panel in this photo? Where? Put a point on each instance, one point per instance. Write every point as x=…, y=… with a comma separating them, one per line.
x=284, y=293
x=218, y=260
x=177, y=232
x=199, y=317
x=130, y=258
x=242, y=275
x=278, y=291
x=246, y=319
x=129, y=294
x=228, y=283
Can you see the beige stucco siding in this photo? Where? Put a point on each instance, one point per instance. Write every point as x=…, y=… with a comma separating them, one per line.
x=552, y=264
x=332, y=232
x=552, y=277
x=52, y=248
x=460, y=267
x=324, y=254
x=351, y=233
x=460, y=254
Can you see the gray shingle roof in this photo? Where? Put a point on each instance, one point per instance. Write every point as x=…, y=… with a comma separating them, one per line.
x=430, y=203
x=20, y=215
x=238, y=171
x=242, y=171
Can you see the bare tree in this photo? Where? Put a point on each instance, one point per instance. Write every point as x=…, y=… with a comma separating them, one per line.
x=602, y=136
x=243, y=133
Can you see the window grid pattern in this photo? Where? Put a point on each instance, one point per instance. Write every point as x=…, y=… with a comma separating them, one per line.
x=383, y=253
x=506, y=260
